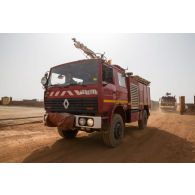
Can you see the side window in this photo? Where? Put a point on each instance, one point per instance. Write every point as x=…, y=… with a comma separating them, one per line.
x=107, y=74
x=121, y=80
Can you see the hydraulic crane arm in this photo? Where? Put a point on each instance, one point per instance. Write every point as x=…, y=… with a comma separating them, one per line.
x=87, y=51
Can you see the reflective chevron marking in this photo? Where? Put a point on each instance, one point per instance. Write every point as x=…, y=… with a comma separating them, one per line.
x=74, y=92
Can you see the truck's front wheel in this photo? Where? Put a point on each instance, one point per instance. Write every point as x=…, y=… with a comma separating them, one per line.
x=114, y=134
x=68, y=134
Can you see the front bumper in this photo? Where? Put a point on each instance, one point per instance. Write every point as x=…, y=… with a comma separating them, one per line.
x=96, y=119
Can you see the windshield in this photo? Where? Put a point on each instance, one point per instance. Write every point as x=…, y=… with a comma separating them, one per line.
x=78, y=73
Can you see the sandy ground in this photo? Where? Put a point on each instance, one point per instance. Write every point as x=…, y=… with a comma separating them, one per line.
x=19, y=111
x=9, y=114
x=170, y=137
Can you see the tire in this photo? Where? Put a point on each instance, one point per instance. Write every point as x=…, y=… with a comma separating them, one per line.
x=142, y=124
x=115, y=133
x=68, y=134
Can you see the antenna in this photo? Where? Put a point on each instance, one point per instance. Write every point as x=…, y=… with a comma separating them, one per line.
x=89, y=53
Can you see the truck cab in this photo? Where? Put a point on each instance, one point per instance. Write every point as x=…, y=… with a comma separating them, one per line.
x=85, y=88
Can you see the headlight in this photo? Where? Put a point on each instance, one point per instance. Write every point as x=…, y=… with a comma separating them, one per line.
x=44, y=81
x=82, y=121
x=90, y=122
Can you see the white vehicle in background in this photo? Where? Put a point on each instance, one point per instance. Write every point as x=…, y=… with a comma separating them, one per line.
x=168, y=103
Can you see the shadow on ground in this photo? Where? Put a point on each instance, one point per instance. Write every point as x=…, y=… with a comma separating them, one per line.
x=150, y=145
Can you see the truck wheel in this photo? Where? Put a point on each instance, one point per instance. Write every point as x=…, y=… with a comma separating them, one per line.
x=114, y=135
x=68, y=134
x=143, y=123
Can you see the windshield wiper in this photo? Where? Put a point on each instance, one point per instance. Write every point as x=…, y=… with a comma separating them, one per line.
x=67, y=85
x=82, y=84
x=58, y=85
x=55, y=85
x=72, y=84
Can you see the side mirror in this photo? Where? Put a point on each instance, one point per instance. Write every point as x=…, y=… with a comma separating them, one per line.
x=44, y=79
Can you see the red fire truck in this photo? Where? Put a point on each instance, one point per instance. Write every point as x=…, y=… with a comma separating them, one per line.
x=93, y=95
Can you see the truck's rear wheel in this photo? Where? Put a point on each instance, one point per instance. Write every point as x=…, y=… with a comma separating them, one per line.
x=142, y=124
x=113, y=136
x=68, y=134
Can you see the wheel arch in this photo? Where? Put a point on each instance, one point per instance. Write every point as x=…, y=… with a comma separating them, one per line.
x=119, y=110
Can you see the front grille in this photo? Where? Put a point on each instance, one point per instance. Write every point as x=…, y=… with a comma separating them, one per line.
x=75, y=105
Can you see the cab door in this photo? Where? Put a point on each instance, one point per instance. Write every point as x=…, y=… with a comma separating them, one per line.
x=108, y=89
x=121, y=88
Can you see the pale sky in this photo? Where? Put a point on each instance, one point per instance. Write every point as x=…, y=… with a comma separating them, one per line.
x=167, y=60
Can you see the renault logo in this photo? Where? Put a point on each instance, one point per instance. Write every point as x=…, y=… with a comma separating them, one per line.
x=66, y=104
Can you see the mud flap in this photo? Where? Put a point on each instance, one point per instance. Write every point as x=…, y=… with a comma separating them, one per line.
x=63, y=120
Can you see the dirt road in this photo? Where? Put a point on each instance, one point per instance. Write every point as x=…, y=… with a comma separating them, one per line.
x=170, y=137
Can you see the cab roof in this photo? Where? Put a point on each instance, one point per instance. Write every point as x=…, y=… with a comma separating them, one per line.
x=79, y=61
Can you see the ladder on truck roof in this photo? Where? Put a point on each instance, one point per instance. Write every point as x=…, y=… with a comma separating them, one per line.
x=141, y=80
x=89, y=53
